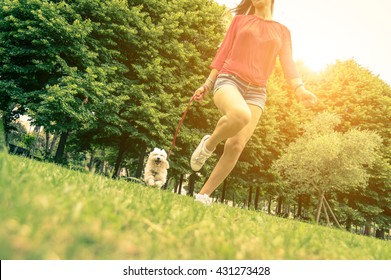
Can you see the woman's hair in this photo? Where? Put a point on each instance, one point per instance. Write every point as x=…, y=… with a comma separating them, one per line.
x=246, y=8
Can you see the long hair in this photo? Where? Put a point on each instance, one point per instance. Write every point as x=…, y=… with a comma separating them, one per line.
x=246, y=8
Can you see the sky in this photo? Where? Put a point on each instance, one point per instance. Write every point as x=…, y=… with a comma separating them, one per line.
x=324, y=31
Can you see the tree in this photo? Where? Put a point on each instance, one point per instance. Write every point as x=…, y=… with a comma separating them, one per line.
x=362, y=100
x=110, y=72
x=45, y=63
x=369, y=206
x=323, y=160
x=120, y=37
x=172, y=63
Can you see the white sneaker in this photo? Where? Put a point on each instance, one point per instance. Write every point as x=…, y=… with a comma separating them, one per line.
x=200, y=155
x=203, y=198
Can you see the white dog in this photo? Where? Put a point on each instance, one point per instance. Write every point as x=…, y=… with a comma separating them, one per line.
x=155, y=173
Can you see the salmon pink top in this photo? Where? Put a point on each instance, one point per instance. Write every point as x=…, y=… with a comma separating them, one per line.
x=250, y=49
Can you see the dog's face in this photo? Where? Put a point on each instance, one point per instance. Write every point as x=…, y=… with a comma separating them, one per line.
x=158, y=157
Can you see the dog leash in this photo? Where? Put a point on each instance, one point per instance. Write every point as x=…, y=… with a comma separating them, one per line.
x=179, y=125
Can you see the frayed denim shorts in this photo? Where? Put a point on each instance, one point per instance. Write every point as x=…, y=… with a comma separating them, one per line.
x=252, y=94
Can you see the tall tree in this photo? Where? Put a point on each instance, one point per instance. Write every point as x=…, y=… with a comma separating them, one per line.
x=45, y=62
x=362, y=100
x=173, y=62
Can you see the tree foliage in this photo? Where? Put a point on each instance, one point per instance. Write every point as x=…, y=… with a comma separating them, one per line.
x=325, y=160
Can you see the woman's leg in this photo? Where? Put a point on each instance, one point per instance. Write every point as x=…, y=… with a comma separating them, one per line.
x=236, y=115
x=232, y=150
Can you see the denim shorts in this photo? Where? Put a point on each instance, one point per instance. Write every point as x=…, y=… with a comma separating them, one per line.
x=252, y=94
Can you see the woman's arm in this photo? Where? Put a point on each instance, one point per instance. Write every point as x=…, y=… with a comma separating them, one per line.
x=218, y=61
x=292, y=74
x=202, y=91
x=226, y=45
x=305, y=96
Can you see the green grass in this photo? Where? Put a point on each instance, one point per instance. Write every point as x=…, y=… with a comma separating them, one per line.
x=49, y=212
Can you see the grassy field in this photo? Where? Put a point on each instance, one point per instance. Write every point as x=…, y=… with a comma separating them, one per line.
x=49, y=212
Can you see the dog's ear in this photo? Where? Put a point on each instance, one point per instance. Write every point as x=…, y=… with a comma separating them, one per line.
x=164, y=153
x=167, y=164
x=156, y=150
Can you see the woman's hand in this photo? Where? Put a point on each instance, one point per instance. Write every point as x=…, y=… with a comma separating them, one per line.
x=200, y=93
x=306, y=97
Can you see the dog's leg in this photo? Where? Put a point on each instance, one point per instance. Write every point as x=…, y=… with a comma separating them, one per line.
x=149, y=180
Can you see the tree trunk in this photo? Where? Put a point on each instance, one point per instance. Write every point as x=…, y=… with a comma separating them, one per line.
x=141, y=158
x=192, y=180
x=2, y=137
x=287, y=210
x=348, y=225
x=102, y=167
x=279, y=206
x=47, y=140
x=269, y=205
x=102, y=162
x=108, y=170
x=52, y=144
x=320, y=203
x=5, y=136
x=331, y=211
x=224, y=191
x=176, y=186
x=327, y=215
x=380, y=233
x=256, y=200
x=367, y=228
x=59, y=157
x=250, y=196
x=91, y=163
x=37, y=130
x=121, y=152
x=165, y=186
x=300, y=206
x=349, y=221
x=180, y=184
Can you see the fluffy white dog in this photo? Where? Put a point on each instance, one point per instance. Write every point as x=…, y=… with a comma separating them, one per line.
x=155, y=173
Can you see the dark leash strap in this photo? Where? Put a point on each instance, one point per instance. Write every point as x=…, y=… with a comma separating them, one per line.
x=180, y=124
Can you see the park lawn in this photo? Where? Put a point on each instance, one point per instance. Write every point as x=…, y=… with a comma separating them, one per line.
x=50, y=212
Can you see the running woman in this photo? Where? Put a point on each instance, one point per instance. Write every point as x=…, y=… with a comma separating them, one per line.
x=238, y=78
